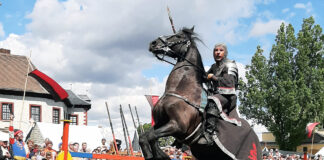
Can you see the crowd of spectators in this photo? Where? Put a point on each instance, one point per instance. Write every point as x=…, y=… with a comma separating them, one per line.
x=178, y=154
x=276, y=155
x=46, y=151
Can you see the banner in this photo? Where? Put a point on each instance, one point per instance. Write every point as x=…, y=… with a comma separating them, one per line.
x=152, y=99
x=309, y=128
x=49, y=84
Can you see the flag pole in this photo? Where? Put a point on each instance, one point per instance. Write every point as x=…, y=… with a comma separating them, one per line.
x=121, y=116
x=25, y=87
x=129, y=140
x=312, y=143
x=112, y=129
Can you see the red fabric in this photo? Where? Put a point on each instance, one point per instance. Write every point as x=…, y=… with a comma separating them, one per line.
x=11, y=135
x=253, y=153
x=152, y=99
x=61, y=93
x=309, y=128
x=17, y=132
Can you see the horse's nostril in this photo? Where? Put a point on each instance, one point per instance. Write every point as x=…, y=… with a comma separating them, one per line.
x=153, y=43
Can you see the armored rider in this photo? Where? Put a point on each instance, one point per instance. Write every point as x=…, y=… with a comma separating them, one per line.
x=223, y=75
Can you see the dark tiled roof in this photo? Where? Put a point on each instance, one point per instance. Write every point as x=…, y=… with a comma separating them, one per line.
x=84, y=97
x=13, y=70
x=76, y=102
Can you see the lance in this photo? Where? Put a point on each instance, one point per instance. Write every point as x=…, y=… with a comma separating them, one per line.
x=130, y=109
x=112, y=129
x=142, y=129
x=121, y=116
x=170, y=18
x=129, y=140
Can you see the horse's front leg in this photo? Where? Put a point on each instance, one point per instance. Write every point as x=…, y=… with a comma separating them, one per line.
x=154, y=134
x=145, y=146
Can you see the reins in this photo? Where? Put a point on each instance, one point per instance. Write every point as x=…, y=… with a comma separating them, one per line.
x=167, y=48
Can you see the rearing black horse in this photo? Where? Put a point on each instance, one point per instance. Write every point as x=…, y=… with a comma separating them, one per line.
x=177, y=112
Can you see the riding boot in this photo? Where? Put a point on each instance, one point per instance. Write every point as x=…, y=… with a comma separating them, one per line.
x=212, y=115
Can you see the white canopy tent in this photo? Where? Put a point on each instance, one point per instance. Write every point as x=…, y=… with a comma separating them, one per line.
x=321, y=152
x=4, y=136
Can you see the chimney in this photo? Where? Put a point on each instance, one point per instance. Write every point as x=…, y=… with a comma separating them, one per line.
x=4, y=51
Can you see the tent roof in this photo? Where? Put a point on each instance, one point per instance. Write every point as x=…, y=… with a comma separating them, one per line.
x=321, y=151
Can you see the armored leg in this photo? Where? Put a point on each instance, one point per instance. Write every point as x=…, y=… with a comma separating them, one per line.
x=212, y=116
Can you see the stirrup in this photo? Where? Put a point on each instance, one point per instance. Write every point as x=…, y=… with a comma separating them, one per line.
x=206, y=139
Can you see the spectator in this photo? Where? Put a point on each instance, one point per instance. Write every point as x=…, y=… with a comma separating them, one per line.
x=31, y=150
x=172, y=152
x=179, y=154
x=49, y=156
x=103, y=143
x=71, y=147
x=60, y=144
x=277, y=153
x=166, y=151
x=76, y=147
x=17, y=143
x=84, y=148
x=41, y=154
x=172, y=157
x=49, y=148
x=45, y=142
x=98, y=150
x=4, y=152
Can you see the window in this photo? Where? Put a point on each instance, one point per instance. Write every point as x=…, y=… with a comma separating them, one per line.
x=6, y=110
x=56, y=115
x=74, y=119
x=35, y=113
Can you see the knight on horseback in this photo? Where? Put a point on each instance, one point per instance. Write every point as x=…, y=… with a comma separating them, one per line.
x=223, y=77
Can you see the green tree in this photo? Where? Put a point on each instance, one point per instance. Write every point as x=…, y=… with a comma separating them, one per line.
x=163, y=141
x=286, y=91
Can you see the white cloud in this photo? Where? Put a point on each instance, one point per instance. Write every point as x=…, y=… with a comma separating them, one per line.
x=300, y=5
x=101, y=47
x=308, y=6
x=266, y=2
x=285, y=10
x=263, y=28
x=2, y=32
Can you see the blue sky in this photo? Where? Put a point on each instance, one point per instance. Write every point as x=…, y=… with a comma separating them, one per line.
x=101, y=46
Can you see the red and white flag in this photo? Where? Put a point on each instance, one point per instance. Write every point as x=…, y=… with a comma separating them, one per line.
x=309, y=128
x=152, y=99
x=49, y=84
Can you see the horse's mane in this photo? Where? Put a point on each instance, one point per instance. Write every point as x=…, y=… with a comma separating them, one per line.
x=193, y=38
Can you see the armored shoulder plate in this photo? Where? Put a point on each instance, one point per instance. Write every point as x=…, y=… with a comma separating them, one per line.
x=231, y=68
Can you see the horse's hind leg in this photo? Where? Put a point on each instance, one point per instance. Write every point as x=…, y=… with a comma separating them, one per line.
x=145, y=145
x=168, y=129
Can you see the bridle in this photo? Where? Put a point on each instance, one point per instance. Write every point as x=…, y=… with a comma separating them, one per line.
x=166, y=48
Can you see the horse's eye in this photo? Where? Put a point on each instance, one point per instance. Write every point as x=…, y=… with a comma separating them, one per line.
x=178, y=36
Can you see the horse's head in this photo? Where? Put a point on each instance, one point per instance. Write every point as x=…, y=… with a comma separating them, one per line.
x=174, y=46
